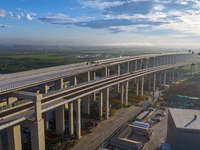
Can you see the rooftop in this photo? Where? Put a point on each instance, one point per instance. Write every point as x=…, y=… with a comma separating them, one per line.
x=186, y=118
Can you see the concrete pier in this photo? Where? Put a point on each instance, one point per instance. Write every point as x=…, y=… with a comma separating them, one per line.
x=164, y=79
x=122, y=93
x=106, y=101
x=71, y=118
x=100, y=103
x=142, y=86
x=126, y=93
x=137, y=87
x=154, y=82
x=116, y=71
x=14, y=138
x=78, y=118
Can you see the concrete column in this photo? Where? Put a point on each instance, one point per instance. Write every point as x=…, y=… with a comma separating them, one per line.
x=71, y=118
x=59, y=111
x=178, y=73
x=154, y=82
x=37, y=135
x=104, y=72
x=106, y=101
x=144, y=63
x=151, y=62
x=78, y=118
x=172, y=59
x=100, y=103
x=166, y=59
x=73, y=80
x=14, y=137
x=173, y=75
x=181, y=73
x=126, y=93
x=93, y=77
x=138, y=64
x=58, y=84
x=126, y=67
x=163, y=60
x=170, y=75
x=86, y=104
x=43, y=88
x=132, y=66
x=137, y=87
x=122, y=93
x=142, y=86
x=164, y=80
x=160, y=77
x=117, y=71
x=86, y=99
x=149, y=82
x=11, y=100
x=1, y=147
x=60, y=120
x=108, y=72
x=37, y=126
x=156, y=61
x=159, y=60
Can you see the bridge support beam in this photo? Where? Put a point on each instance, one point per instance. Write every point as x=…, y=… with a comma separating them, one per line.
x=1, y=147
x=138, y=64
x=173, y=75
x=73, y=80
x=14, y=138
x=142, y=86
x=86, y=104
x=93, y=77
x=117, y=71
x=100, y=103
x=104, y=72
x=154, y=82
x=78, y=118
x=106, y=101
x=133, y=66
x=60, y=120
x=151, y=62
x=71, y=118
x=144, y=63
x=126, y=93
x=122, y=94
x=181, y=73
x=164, y=79
x=137, y=86
x=59, y=111
x=126, y=67
x=43, y=88
x=160, y=77
x=149, y=88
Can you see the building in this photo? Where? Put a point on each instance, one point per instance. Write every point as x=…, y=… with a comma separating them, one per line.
x=183, y=131
x=133, y=137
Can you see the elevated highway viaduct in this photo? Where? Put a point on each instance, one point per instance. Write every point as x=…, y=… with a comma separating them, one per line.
x=34, y=112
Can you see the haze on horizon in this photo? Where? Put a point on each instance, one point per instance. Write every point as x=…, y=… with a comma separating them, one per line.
x=160, y=23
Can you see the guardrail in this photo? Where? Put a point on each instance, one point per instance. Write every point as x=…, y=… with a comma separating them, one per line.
x=74, y=86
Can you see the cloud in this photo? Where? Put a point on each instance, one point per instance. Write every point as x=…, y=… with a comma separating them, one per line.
x=130, y=8
x=28, y=17
x=7, y=26
x=2, y=13
x=107, y=23
x=57, y=19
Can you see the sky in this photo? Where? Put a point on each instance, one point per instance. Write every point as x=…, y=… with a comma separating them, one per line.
x=161, y=23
